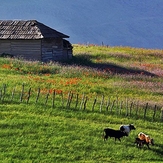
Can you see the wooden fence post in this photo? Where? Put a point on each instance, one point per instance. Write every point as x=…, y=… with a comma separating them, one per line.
x=3, y=92
x=121, y=106
x=117, y=101
x=161, y=115
x=68, y=100
x=62, y=99
x=82, y=101
x=85, y=102
x=108, y=103
x=77, y=100
x=126, y=107
x=154, y=112
x=112, y=106
x=13, y=93
x=47, y=96
x=29, y=94
x=102, y=101
x=95, y=100
x=137, y=108
x=53, y=98
x=38, y=95
x=22, y=93
x=145, y=110
x=131, y=108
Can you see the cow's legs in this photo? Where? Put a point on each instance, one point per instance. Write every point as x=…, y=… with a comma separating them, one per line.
x=105, y=137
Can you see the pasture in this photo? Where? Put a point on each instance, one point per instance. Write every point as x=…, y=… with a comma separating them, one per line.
x=36, y=132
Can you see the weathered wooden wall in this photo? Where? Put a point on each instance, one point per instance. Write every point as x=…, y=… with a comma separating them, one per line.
x=5, y=47
x=27, y=49
x=41, y=50
x=52, y=49
x=67, y=53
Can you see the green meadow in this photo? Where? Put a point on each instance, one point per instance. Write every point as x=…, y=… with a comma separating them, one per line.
x=39, y=132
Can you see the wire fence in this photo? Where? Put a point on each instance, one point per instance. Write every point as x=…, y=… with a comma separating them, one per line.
x=68, y=100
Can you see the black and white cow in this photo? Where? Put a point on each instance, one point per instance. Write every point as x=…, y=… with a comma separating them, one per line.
x=127, y=128
x=117, y=134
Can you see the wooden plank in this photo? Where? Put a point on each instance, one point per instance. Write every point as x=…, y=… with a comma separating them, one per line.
x=5, y=47
x=27, y=49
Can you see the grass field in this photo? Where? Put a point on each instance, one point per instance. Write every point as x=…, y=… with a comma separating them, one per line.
x=36, y=132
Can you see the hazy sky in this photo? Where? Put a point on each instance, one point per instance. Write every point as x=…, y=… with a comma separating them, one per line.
x=137, y=23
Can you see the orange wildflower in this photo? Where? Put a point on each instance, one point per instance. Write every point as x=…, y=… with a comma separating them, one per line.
x=6, y=66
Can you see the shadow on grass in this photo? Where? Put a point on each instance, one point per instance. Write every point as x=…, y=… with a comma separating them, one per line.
x=158, y=149
x=85, y=61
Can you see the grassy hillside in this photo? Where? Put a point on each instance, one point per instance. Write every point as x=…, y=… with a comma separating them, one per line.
x=36, y=132
x=121, y=71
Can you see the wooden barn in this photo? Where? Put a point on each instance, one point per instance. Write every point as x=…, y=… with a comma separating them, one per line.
x=32, y=40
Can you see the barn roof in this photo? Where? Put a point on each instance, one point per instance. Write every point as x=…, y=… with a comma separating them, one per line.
x=27, y=29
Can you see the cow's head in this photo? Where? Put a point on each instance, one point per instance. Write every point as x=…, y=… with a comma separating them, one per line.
x=152, y=141
x=132, y=127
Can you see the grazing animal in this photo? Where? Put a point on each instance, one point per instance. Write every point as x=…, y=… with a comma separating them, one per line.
x=127, y=128
x=145, y=139
x=139, y=142
x=117, y=134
